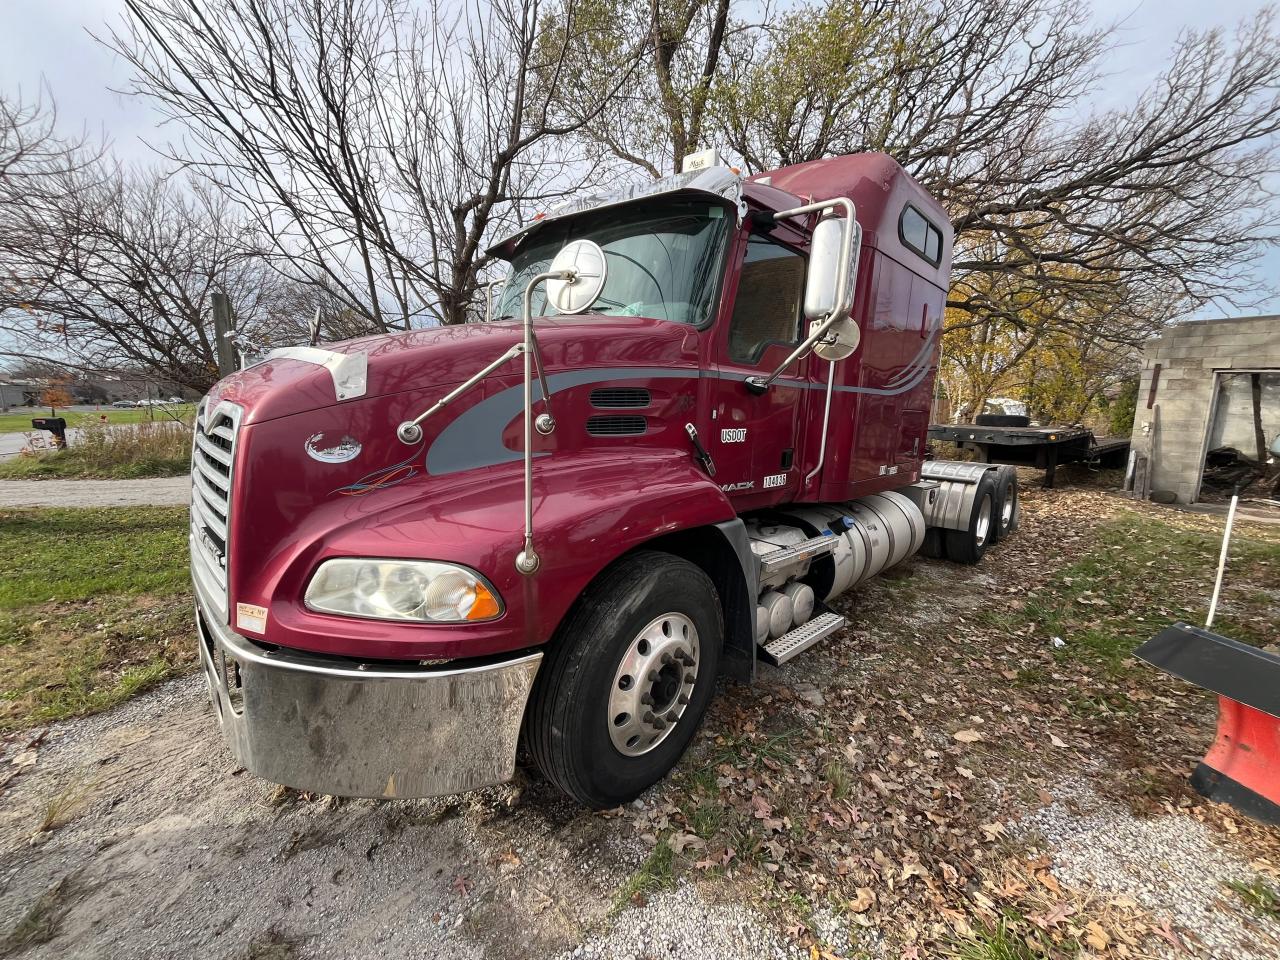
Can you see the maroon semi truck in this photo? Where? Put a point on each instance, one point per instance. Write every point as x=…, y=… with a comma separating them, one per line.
x=697, y=414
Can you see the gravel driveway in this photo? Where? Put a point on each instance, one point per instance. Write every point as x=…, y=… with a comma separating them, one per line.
x=158, y=492
x=158, y=845
x=169, y=850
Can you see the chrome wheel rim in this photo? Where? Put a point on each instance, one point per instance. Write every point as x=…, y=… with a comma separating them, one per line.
x=984, y=521
x=1010, y=504
x=653, y=684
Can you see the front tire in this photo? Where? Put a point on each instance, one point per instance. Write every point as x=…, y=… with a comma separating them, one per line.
x=626, y=679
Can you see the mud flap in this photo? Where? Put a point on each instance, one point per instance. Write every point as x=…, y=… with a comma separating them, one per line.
x=1242, y=767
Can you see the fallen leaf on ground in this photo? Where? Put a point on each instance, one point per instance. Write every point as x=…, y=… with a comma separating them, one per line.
x=864, y=901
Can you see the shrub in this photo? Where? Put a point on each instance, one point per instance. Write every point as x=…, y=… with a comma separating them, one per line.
x=159, y=449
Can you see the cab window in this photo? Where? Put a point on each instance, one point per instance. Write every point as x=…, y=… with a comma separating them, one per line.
x=921, y=236
x=767, y=307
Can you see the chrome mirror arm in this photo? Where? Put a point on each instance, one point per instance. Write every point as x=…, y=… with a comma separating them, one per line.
x=843, y=292
x=527, y=560
x=488, y=297
x=411, y=432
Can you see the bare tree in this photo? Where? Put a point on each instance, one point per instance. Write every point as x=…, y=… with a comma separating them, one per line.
x=109, y=269
x=30, y=146
x=983, y=103
x=665, y=111
x=376, y=147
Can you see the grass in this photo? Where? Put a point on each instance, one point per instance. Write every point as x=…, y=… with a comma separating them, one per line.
x=1259, y=896
x=1141, y=575
x=74, y=554
x=656, y=873
x=160, y=449
x=40, y=923
x=1001, y=942
x=20, y=422
x=742, y=751
x=64, y=805
x=94, y=608
x=837, y=775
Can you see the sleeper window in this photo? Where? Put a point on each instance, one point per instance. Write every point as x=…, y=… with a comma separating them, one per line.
x=920, y=235
x=767, y=307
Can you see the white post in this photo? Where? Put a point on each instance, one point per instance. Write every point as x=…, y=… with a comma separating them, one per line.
x=1222, y=561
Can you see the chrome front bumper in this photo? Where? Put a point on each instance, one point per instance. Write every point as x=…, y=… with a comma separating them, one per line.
x=329, y=726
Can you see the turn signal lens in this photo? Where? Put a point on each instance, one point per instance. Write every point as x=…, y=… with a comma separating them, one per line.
x=416, y=590
x=486, y=605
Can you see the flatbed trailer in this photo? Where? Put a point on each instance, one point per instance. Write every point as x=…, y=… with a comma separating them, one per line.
x=1040, y=447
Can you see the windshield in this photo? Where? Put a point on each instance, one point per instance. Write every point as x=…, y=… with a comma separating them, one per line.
x=662, y=264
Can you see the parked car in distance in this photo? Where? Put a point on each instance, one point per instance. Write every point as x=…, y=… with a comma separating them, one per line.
x=124, y=403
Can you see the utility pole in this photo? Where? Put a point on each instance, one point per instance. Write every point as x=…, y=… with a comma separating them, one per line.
x=223, y=324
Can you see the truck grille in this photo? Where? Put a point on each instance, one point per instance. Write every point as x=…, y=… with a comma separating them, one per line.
x=212, y=462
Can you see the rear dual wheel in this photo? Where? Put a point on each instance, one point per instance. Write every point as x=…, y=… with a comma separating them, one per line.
x=970, y=545
x=1007, y=507
x=994, y=516
x=627, y=679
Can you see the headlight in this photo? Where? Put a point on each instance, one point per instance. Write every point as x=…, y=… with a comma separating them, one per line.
x=417, y=590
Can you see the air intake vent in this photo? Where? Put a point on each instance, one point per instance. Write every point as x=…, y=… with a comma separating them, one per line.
x=616, y=426
x=612, y=398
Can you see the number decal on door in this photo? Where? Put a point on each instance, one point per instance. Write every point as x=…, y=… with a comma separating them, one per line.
x=733, y=435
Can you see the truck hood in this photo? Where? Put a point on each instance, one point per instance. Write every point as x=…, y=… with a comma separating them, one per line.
x=286, y=384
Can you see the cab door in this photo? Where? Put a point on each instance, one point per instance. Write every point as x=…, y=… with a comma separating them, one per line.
x=755, y=438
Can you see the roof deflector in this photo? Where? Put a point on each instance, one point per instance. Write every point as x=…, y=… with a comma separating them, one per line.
x=719, y=182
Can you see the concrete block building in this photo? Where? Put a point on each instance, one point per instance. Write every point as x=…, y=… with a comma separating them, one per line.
x=1199, y=390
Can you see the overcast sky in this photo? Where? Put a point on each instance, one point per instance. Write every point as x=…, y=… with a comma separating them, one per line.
x=46, y=41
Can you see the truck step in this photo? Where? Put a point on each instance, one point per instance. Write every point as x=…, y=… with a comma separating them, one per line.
x=804, y=550
x=801, y=638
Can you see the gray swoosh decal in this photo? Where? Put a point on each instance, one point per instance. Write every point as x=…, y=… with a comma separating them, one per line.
x=474, y=439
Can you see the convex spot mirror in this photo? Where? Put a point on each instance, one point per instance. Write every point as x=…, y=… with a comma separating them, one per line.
x=585, y=262
x=824, y=293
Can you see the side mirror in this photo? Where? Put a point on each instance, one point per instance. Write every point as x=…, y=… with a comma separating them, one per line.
x=825, y=293
x=584, y=263
x=821, y=295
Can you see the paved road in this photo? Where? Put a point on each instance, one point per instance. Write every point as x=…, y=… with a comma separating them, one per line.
x=164, y=491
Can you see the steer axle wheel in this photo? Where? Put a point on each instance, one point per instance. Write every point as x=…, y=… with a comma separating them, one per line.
x=626, y=679
x=654, y=683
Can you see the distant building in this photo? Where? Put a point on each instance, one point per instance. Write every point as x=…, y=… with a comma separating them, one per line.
x=19, y=393
x=1207, y=385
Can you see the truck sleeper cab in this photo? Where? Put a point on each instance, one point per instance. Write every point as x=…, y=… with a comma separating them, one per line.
x=699, y=415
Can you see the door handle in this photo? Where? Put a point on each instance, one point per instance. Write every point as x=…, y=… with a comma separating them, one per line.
x=700, y=452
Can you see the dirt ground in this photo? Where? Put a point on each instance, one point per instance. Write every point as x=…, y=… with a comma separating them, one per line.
x=941, y=778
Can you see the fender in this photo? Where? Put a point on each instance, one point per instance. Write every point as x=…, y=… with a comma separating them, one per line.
x=587, y=513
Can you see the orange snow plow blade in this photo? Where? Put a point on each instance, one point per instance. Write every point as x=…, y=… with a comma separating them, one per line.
x=1242, y=767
